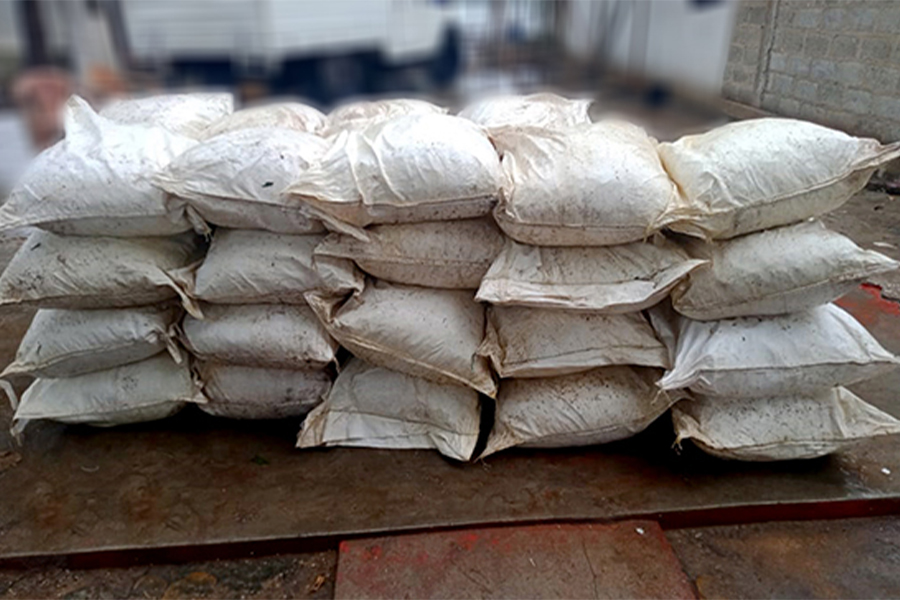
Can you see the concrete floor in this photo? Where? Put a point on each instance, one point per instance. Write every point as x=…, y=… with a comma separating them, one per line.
x=850, y=558
x=309, y=575
x=872, y=220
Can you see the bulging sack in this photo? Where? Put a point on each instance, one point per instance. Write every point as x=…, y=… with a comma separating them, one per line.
x=258, y=267
x=66, y=343
x=409, y=169
x=596, y=407
x=615, y=279
x=184, y=114
x=532, y=342
x=277, y=336
x=283, y=115
x=440, y=254
x=783, y=270
x=148, y=390
x=595, y=185
x=54, y=271
x=780, y=427
x=422, y=332
x=238, y=392
x=535, y=110
x=235, y=179
x=762, y=173
x=752, y=357
x=374, y=407
x=362, y=114
x=96, y=181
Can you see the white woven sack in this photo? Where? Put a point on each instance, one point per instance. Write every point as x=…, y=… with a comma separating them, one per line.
x=774, y=272
x=363, y=113
x=409, y=169
x=595, y=185
x=613, y=279
x=65, y=343
x=754, y=357
x=53, y=271
x=533, y=342
x=535, y=110
x=96, y=181
x=283, y=115
x=147, y=390
x=781, y=427
x=440, y=254
x=277, y=336
x=239, y=392
x=374, y=407
x=259, y=267
x=422, y=332
x=762, y=173
x=595, y=407
x=235, y=179
x=184, y=114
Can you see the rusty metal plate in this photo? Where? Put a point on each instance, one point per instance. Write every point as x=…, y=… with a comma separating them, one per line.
x=195, y=482
x=631, y=559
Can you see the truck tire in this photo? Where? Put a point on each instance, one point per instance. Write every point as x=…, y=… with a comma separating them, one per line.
x=445, y=66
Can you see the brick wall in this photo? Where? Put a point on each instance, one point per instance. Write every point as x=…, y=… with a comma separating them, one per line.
x=832, y=62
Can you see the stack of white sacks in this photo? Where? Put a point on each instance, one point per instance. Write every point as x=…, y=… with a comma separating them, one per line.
x=260, y=351
x=578, y=360
x=104, y=265
x=410, y=197
x=754, y=335
x=512, y=252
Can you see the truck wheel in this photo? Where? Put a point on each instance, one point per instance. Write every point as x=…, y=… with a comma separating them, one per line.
x=444, y=67
x=343, y=76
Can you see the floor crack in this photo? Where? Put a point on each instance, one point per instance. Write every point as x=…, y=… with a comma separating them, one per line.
x=591, y=567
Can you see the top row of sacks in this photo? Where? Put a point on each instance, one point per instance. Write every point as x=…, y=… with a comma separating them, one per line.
x=550, y=176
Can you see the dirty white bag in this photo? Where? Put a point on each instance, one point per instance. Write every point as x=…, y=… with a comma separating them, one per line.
x=97, y=181
x=374, y=407
x=259, y=267
x=278, y=336
x=184, y=114
x=441, y=254
x=409, y=169
x=363, y=113
x=754, y=357
x=611, y=279
x=595, y=185
x=283, y=115
x=236, y=179
x=239, y=392
x=535, y=110
x=762, y=173
x=780, y=427
x=534, y=342
x=595, y=407
x=65, y=343
x=54, y=271
x=147, y=390
x=774, y=272
x=422, y=332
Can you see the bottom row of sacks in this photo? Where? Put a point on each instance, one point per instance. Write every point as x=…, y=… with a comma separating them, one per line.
x=374, y=407
x=740, y=389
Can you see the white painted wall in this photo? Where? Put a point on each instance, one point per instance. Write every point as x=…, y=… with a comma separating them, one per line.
x=672, y=40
